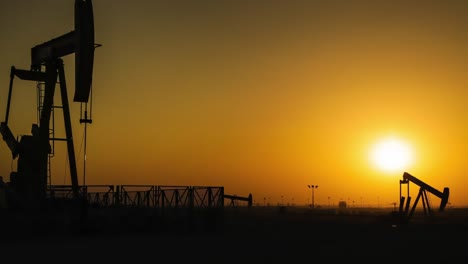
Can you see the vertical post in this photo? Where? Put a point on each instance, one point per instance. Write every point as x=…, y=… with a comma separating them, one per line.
x=191, y=197
x=313, y=202
x=210, y=197
x=147, y=197
x=84, y=159
x=44, y=122
x=400, y=188
x=402, y=204
x=157, y=196
x=177, y=198
x=407, y=189
x=312, y=187
x=10, y=89
x=221, y=197
x=117, y=196
x=86, y=121
x=408, y=203
x=68, y=130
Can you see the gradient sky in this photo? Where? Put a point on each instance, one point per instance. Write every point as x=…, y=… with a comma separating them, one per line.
x=261, y=97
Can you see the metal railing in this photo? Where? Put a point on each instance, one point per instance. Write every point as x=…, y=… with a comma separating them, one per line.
x=144, y=196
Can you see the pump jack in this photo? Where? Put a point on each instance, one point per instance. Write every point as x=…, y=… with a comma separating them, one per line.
x=29, y=183
x=423, y=187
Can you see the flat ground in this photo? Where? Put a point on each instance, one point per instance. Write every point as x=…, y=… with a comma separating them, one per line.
x=250, y=235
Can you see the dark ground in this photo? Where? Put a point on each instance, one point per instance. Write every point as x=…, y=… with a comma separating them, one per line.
x=242, y=235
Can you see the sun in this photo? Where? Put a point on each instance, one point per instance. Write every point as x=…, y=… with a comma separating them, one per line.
x=391, y=155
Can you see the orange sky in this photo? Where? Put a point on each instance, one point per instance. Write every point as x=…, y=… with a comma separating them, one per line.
x=261, y=97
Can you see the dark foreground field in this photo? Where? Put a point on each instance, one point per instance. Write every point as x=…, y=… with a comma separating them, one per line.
x=249, y=235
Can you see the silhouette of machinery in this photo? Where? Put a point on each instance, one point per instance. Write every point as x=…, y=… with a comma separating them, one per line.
x=31, y=188
x=235, y=198
x=422, y=194
x=29, y=182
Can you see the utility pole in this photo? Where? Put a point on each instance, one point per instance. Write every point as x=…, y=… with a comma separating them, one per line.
x=313, y=187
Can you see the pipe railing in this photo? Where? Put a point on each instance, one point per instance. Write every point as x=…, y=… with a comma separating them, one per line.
x=144, y=196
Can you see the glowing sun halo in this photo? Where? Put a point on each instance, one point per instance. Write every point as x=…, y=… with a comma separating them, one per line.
x=391, y=155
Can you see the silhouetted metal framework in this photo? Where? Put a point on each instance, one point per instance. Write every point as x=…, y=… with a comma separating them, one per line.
x=234, y=198
x=145, y=196
x=423, y=187
x=30, y=180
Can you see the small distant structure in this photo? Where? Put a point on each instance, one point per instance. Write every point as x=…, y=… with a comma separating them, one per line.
x=234, y=198
x=342, y=204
